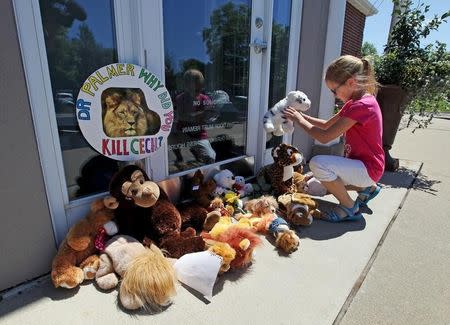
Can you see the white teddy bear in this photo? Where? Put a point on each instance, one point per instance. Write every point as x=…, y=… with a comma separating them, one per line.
x=225, y=181
x=275, y=123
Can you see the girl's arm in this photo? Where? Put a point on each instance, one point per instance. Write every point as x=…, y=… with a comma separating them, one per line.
x=323, y=124
x=340, y=125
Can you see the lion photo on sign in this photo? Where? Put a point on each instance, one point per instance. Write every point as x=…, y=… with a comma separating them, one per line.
x=126, y=114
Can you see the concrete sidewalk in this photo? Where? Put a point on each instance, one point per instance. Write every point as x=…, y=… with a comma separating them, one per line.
x=402, y=272
x=409, y=282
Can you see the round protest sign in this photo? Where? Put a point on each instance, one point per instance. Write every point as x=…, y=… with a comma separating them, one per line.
x=124, y=111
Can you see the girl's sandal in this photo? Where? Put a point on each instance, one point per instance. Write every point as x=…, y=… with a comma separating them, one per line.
x=367, y=194
x=352, y=214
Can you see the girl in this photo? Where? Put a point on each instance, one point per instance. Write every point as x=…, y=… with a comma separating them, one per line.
x=351, y=80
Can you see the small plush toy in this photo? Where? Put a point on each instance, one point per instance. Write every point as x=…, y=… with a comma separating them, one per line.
x=76, y=259
x=224, y=250
x=148, y=278
x=264, y=209
x=313, y=186
x=299, y=208
x=201, y=190
x=275, y=123
x=218, y=205
x=226, y=222
x=242, y=240
x=233, y=199
x=281, y=174
x=240, y=236
x=242, y=188
x=145, y=212
x=263, y=205
x=308, y=184
x=225, y=181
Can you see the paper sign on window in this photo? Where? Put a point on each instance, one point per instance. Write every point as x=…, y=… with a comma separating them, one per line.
x=124, y=111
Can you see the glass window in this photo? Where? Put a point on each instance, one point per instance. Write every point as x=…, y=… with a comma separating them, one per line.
x=279, y=58
x=207, y=74
x=79, y=38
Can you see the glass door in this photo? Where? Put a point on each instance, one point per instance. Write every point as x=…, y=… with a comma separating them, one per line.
x=215, y=58
x=214, y=55
x=207, y=61
x=62, y=43
x=79, y=38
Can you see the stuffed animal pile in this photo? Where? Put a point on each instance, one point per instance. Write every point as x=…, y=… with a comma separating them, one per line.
x=127, y=237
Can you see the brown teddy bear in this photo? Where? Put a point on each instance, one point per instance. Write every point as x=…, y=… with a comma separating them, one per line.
x=299, y=208
x=76, y=259
x=201, y=190
x=145, y=213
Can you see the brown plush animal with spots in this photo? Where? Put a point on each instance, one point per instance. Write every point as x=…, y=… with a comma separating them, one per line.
x=281, y=175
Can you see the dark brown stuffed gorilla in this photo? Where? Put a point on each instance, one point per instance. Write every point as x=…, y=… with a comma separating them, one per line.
x=145, y=212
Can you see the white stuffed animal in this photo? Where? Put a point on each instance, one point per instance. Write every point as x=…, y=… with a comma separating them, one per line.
x=241, y=187
x=225, y=181
x=275, y=123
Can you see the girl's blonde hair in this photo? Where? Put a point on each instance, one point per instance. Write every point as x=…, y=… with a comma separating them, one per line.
x=348, y=66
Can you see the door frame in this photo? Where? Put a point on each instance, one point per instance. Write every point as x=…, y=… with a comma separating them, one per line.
x=134, y=47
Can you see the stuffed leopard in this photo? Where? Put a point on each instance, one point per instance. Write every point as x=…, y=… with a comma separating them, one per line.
x=281, y=175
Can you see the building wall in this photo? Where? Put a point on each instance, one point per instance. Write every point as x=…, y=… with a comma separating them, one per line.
x=353, y=31
x=310, y=69
x=27, y=244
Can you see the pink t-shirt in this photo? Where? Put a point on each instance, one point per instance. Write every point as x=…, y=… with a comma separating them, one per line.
x=364, y=140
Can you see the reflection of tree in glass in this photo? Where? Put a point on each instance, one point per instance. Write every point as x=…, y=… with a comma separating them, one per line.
x=71, y=61
x=278, y=62
x=227, y=42
x=278, y=70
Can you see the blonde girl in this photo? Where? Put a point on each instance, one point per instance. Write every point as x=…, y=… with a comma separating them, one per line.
x=351, y=80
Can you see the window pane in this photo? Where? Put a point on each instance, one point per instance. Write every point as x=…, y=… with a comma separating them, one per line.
x=79, y=38
x=279, y=58
x=207, y=67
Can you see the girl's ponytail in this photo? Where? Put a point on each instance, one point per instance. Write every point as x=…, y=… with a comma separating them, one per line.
x=370, y=82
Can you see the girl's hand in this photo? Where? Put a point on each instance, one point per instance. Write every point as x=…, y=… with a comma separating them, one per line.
x=293, y=115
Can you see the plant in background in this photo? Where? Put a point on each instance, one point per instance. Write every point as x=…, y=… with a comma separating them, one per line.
x=423, y=72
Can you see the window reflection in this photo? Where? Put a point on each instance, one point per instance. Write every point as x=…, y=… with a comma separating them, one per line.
x=79, y=38
x=279, y=59
x=207, y=66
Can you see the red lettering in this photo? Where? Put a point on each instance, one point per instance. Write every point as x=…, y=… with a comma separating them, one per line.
x=105, y=149
x=119, y=152
x=125, y=151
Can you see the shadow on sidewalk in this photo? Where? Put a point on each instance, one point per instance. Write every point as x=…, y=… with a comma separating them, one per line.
x=407, y=178
x=323, y=230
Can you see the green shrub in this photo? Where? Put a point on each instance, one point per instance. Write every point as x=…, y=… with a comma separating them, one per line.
x=423, y=71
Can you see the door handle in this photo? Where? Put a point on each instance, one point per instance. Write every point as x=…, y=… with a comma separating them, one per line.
x=258, y=45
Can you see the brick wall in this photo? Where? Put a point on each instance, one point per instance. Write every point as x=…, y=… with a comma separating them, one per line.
x=353, y=31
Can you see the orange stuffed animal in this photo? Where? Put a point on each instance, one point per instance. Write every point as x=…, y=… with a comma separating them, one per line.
x=76, y=259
